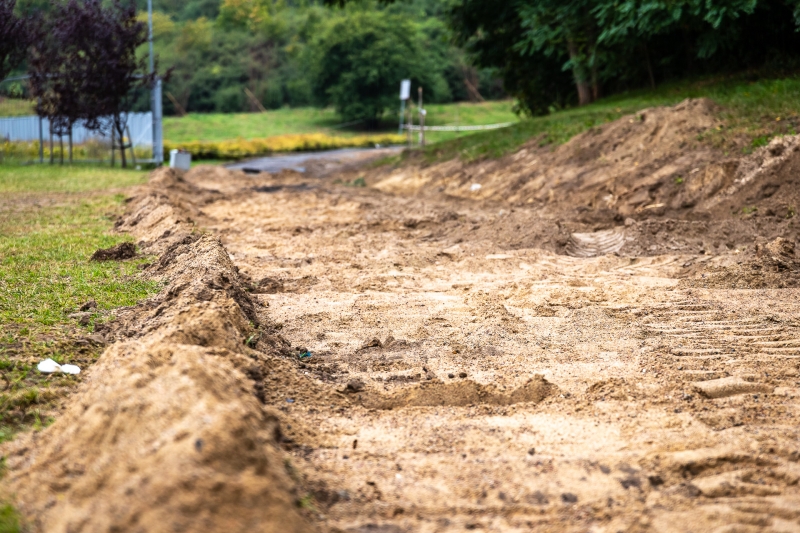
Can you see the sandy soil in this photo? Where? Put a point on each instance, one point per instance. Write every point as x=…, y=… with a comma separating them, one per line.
x=482, y=362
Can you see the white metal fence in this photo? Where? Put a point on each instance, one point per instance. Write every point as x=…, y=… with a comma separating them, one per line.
x=28, y=129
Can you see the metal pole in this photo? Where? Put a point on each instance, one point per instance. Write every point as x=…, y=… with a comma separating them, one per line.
x=421, y=119
x=155, y=94
x=402, y=116
x=41, y=141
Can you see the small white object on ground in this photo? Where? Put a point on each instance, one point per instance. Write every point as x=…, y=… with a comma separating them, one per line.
x=475, y=187
x=48, y=366
x=180, y=159
x=70, y=369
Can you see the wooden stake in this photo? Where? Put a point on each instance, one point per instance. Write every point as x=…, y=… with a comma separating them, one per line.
x=421, y=119
x=130, y=140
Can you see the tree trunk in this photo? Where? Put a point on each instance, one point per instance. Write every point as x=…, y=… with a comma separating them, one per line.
x=595, y=84
x=52, y=153
x=61, y=148
x=70, y=144
x=579, y=72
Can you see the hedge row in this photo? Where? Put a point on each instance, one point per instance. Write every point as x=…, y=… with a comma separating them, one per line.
x=240, y=148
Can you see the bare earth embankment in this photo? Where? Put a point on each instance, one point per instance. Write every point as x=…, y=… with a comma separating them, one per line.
x=602, y=337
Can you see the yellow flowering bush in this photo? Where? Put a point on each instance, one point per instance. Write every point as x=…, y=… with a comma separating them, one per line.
x=240, y=148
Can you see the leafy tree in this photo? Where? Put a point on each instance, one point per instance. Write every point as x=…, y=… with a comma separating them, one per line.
x=617, y=44
x=16, y=33
x=85, y=67
x=361, y=60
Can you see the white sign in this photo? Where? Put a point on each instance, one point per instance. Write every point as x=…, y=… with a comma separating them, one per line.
x=405, y=89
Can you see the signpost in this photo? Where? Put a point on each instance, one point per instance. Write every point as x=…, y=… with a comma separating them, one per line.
x=405, y=94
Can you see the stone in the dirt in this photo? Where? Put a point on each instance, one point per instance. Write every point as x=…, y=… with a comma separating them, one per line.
x=730, y=386
x=123, y=250
x=568, y=497
x=451, y=376
x=355, y=385
x=374, y=343
x=462, y=374
x=97, y=339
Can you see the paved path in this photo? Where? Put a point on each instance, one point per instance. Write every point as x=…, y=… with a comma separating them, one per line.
x=299, y=161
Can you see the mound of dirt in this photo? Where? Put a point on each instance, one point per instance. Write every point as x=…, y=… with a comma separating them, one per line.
x=163, y=213
x=626, y=167
x=768, y=266
x=120, y=252
x=167, y=432
x=641, y=185
x=462, y=393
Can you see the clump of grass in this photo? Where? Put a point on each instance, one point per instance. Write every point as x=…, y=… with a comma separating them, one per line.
x=358, y=182
x=9, y=519
x=45, y=274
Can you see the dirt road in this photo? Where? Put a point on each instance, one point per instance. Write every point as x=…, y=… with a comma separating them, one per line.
x=436, y=362
x=443, y=342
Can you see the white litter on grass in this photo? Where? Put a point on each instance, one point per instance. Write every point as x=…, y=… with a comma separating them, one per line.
x=475, y=187
x=48, y=366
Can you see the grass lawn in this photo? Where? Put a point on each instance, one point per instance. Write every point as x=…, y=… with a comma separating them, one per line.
x=754, y=112
x=222, y=127
x=51, y=220
x=11, y=107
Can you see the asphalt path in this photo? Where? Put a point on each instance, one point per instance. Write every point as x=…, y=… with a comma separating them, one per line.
x=300, y=161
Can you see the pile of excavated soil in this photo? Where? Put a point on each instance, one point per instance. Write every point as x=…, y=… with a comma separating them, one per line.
x=166, y=433
x=642, y=185
x=773, y=265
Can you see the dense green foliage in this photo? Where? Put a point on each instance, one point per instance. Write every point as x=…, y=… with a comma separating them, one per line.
x=301, y=53
x=554, y=53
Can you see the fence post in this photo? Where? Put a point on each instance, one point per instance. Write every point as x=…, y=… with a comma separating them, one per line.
x=41, y=141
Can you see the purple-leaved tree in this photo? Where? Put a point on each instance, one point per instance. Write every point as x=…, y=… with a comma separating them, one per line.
x=85, y=66
x=16, y=33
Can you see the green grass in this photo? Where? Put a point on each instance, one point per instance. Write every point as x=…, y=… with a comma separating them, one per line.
x=12, y=107
x=65, y=179
x=51, y=220
x=751, y=110
x=9, y=519
x=221, y=127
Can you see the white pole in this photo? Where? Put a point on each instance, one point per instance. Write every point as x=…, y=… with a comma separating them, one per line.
x=155, y=94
